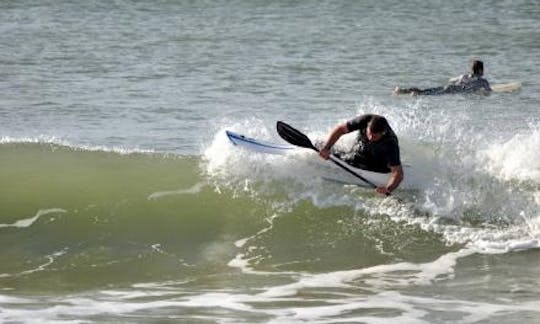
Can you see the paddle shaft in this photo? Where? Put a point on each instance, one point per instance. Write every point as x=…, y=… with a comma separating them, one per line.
x=338, y=162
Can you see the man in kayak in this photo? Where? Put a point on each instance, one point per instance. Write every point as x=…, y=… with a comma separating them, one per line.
x=467, y=83
x=377, y=148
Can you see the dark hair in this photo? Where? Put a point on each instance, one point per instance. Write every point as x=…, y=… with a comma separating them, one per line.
x=477, y=67
x=378, y=124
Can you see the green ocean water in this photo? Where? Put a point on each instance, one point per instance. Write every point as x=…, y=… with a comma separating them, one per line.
x=137, y=237
x=86, y=220
x=97, y=220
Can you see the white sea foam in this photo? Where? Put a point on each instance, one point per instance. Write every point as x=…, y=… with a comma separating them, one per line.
x=221, y=153
x=522, y=235
x=49, y=260
x=517, y=158
x=448, y=180
x=376, y=308
x=240, y=168
x=380, y=277
x=77, y=146
x=244, y=263
x=190, y=191
x=381, y=299
x=27, y=222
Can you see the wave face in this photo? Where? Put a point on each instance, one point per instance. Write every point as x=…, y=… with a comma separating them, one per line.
x=107, y=235
x=96, y=218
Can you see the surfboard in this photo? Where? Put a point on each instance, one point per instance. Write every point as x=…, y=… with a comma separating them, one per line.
x=506, y=87
x=498, y=87
x=326, y=170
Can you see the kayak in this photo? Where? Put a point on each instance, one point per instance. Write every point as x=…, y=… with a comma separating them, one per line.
x=326, y=170
x=257, y=145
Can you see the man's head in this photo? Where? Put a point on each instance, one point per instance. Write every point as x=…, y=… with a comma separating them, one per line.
x=376, y=128
x=477, y=67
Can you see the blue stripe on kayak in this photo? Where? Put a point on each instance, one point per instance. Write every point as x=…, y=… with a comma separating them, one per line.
x=233, y=136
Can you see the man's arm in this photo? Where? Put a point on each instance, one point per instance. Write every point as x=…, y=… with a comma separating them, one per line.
x=336, y=133
x=454, y=80
x=396, y=176
x=457, y=79
x=487, y=87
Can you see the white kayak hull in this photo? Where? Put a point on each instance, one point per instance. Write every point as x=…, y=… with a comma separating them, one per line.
x=326, y=169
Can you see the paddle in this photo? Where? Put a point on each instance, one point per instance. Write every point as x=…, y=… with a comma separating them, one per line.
x=297, y=138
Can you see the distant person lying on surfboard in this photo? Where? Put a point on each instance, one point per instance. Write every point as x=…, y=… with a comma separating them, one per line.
x=467, y=83
x=377, y=148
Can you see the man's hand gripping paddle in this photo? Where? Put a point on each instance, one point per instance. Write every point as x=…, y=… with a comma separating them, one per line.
x=297, y=138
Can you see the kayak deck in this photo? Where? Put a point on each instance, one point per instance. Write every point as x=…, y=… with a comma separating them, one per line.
x=326, y=170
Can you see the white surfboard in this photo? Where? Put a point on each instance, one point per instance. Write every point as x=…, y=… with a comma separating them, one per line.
x=506, y=87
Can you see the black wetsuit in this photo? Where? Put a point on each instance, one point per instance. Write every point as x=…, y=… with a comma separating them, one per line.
x=374, y=156
x=467, y=83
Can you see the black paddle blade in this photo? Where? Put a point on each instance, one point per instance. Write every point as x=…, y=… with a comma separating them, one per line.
x=294, y=136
